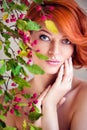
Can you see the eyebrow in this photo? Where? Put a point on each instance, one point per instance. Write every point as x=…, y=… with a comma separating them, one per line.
x=45, y=31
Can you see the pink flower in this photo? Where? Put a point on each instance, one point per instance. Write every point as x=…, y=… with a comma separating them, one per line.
x=32, y=109
x=13, y=19
x=2, y=10
x=21, y=16
x=38, y=8
x=43, y=17
x=19, y=51
x=37, y=50
x=13, y=84
x=30, y=104
x=16, y=107
x=35, y=101
x=51, y=8
x=9, y=0
x=34, y=43
x=29, y=61
x=34, y=95
x=7, y=21
x=27, y=3
x=11, y=111
x=16, y=99
x=29, y=54
x=13, y=16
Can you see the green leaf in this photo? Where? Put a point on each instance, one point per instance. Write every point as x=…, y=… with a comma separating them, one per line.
x=0, y=47
x=9, y=128
x=1, y=91
x=4, y=5
x=23, y=72
x=35, y=69
x=41, y=56
x=7, y=97
x=2, y=117
x=1, y=107
x=6, y=36
x=31, y=25
x=17, y=113
x=22, y=104
x=21, y=7
x=6, y=47
x=27, y=25
x=33, y=116
x=22, y=45
x=21, y=24
x=16, y=70
x=2, y=81
x=2, y=124
x=27, y=95
x=38, y=1
x=20, y=60
x=32, y=127
x=3, y=68
x=21, y=82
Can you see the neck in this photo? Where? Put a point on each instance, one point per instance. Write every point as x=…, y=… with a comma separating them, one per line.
x=40, y=82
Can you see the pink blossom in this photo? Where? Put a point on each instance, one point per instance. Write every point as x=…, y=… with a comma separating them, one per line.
x=34, y=43
x=51, y=8
x=13, y=19
x=34, y=95
x=16, y=99
x=7, y=21
x=32, y=109
x=19, y=51
x=13, y=84
x=16, y=107
x=21, y=16
x=37, y=50
x=38, y=8
x=29, y=54
x=9, y=0
x=13, y=16
x=11, y=111
x=30, y=104
x=2, y=10
x=35, y=101
x=27, y=3
x=43, y=17
x=29, y=61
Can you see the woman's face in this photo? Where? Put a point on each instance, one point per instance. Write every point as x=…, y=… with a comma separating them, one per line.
x=55, y=46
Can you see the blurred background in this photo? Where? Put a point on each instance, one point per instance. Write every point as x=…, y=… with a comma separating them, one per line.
x=82, y=73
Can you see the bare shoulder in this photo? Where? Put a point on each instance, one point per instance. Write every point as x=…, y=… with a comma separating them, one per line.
x=79, y=121
x=82, y=93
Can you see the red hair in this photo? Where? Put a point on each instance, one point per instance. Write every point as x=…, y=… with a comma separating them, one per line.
x=71, y=20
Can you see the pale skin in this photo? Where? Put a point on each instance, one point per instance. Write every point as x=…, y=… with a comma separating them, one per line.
x=63, y=97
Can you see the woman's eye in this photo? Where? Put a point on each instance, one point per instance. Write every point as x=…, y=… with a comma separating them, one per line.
x=66, y=41
x=44, y=38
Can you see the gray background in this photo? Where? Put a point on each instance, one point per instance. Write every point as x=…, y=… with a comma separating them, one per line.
x=82, y=73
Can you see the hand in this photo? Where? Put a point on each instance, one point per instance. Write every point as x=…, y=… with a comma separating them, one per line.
x=62, y=84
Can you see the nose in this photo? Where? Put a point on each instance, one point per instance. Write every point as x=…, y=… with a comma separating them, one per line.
x=54, y=49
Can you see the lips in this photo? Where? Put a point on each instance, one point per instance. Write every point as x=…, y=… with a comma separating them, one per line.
x=53, y=62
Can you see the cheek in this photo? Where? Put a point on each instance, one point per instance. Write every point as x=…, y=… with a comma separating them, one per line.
x=68, y=52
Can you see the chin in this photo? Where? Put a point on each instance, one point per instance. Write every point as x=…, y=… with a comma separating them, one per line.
x=50, y=71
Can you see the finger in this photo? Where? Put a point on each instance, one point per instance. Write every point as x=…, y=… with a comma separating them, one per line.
x=60, y=75
x=71, y=65
x=66, y=70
